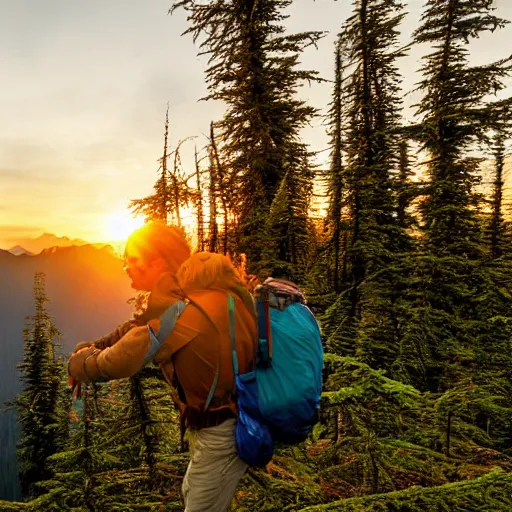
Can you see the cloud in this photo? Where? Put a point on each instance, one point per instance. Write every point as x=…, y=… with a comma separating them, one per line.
x=9, y=229
x=10, y=234
x=20, y=155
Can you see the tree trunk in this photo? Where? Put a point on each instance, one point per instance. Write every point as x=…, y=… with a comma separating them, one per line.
x=222, y=186
x=199, y=203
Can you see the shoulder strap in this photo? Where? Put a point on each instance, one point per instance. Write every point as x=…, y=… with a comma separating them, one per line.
x=264, y=333
x=167, y=323
x=217, y=371
x=213, y=388
x=231, y=310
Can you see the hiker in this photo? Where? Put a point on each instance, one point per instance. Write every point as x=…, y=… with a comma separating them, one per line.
x=195, y=357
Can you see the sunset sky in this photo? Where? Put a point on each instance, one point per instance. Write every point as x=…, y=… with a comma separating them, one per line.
x=85, y=85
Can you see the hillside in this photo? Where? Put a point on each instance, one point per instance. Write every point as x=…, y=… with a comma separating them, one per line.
x=88, y=294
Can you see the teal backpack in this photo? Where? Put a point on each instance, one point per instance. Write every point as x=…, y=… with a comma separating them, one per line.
x=280, y=398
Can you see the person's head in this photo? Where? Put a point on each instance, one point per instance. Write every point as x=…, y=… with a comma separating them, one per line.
x=153, y=250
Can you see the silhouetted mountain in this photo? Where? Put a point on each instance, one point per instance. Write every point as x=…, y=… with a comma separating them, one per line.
x=47, y=240
x=17, y=250
x=88, y=293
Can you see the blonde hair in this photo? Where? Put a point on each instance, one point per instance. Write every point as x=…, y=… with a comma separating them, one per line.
x=207, y=270
x=157, y=240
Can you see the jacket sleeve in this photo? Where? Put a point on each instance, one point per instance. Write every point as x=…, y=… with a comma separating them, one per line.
x=112, y=338
x=109, y=339
x=123, y=359
x=130, y=353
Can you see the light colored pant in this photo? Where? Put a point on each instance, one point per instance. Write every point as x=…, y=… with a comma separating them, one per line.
x=214, y=469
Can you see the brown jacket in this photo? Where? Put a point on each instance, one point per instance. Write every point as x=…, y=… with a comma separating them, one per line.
x=198, y=345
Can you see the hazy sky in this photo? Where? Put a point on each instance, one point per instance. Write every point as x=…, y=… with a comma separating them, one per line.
x=83, y=94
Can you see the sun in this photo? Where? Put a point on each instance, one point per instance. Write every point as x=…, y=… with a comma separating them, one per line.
x=118, y=226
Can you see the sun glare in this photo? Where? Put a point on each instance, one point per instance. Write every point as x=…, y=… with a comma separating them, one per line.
x=120, y=225
x=188, y=217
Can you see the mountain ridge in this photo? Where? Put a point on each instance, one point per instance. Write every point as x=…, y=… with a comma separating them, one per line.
x=88, y=293
x=18, y=250
x=47, y=240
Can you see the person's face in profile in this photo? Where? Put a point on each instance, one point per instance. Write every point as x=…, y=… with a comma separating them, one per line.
x=142, y=270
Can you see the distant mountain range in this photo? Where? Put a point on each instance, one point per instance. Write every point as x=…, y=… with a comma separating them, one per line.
x=88, y=294
x=45, y=241
x=17, y=250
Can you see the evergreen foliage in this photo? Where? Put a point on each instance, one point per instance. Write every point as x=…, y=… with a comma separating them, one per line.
x=71, y=486
x=455, y=115
x=39, y=414
x=365, y=129
x=334, y=220
x=252, y=69
x=411, y=270
x=490, y=492
x=122, y=453
x=497, y=225
x=219, y=194
x=172, y=191
x=155, y=207
x=451, y=272
x=288, y=222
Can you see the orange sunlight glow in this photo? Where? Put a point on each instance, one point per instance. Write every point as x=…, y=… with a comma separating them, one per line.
x=118, y=226
x=188, y=218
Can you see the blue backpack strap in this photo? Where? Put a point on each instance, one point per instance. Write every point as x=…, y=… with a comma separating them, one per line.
x=264, y=333
x=231, y=310
x=167, y=323
x=212, y=389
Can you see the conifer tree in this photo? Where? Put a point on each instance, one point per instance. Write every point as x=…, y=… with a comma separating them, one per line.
x=122, y=453
x=335, y=176
x=363, y=317
x=406, y=191
x=497, y=227
x=213, y=226
x=456, y=115
x=369, y=41
x=222, y=188
x=37, y=405
x=199, y=204
x=253, y=71
x=456, y=118
x=288, y=222
x=69, y=487
x=171, y=189
x=155, y=207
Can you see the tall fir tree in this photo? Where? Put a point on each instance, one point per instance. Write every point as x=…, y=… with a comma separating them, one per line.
x=406, y=191
x=253, y=70
x=362, y=320
x=37, y=405
x=171, y=189
x=288, y=224
x=456, y=117
x=156, y=206
x=334, y=221
x=497, y=227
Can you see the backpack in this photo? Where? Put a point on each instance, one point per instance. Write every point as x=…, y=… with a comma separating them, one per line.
x=280, y=398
